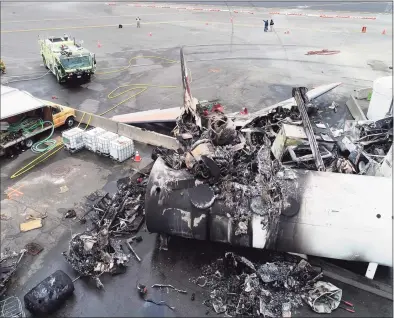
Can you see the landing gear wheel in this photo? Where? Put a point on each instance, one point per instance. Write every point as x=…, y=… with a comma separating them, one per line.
x=70, y=122
x=45, y=62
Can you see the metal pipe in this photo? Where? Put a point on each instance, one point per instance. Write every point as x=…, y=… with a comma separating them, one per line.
x=133, y=251
x=301, y=98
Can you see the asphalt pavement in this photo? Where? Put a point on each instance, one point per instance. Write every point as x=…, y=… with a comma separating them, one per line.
x=229, y=55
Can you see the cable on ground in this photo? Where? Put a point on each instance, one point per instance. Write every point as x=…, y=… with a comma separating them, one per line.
x=128, y=88
x=25, y=79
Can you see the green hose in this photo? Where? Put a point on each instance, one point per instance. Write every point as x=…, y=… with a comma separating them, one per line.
x=48, y=142
x=28, y=125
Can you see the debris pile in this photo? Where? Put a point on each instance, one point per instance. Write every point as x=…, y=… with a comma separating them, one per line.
x=244, y=166
x=239, y=287
x=236, y=164
x=123, y=213
x=367, y=143
x=8, y=265
x=245, y=175
x=98, y=250
x=376, y=137
x=298, y=138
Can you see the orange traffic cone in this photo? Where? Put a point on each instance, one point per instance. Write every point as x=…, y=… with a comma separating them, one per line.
x=384, y=31
x=98, y=44
x=364, y=29
x=137, y=157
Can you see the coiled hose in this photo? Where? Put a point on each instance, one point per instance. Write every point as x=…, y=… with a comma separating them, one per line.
x=28, y=125
x=25, y=125
x=47, y=142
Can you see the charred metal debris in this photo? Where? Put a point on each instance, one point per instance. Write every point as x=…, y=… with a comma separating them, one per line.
x=8, y=265
x=367, y=143
x=217, y=151
x=245, y=169
x=239, y=287
x=103, y=248
x=236, y=164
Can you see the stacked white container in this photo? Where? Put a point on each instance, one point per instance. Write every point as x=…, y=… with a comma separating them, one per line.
x=90, y=138
x=73, y=139
x=103, y=142
x=121, y=148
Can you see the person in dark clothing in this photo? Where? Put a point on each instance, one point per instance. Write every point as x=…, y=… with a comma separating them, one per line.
x=138, y=22
x=265, y=25
x=271, y=25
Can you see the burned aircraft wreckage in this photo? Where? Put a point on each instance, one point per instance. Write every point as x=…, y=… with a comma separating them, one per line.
x=270, y=181
x=267, y=184
x=99, y=249
x=239, y=287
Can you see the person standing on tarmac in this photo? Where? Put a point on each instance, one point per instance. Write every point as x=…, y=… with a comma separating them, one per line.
x=265, y=25
x=138, y=22
x=271, y=25
x=2, y=67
